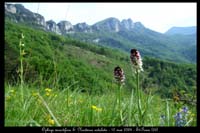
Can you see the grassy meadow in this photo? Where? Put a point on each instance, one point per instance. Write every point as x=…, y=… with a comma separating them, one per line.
x=51, y=80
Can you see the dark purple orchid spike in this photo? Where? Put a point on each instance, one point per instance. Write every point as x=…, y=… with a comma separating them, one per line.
x=119, y=74
x=136, y=60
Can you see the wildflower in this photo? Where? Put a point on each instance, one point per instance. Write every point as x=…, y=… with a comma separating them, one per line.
x=51, y=122
x=48, y=94
x=35, y=94
x=185, y=109
x=119, y=74
x=162, y=119
x=48, y=91
x=96, y=108
x=178, y=120
x=162, y=116
x=136, y=60
x=181, y=117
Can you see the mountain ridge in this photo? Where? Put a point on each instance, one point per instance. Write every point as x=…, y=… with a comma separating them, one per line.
x=113, y=33
x=123, y=24
x=181, y=30
x=63, y=26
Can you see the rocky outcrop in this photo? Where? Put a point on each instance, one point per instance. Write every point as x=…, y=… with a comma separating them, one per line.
x=139, y=25
x=10, y=8
x=110, y=24
x=39, y=19
x=114, y=25
x=127, y=24
x=82, y=27
x=52, y=26
x=65, y=27
x=18, y=13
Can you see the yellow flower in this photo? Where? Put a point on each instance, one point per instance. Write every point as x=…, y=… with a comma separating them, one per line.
x=96, y=108
x=35, y=94
x=51, y=121
x=48, y=90
x=48, y=94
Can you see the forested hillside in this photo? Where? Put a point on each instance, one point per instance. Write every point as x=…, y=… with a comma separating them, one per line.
x=61, y=61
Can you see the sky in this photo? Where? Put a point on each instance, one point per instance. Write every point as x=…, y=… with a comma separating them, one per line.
x=156, y=16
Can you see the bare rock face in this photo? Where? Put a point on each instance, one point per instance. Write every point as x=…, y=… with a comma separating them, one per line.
x=18, y=13
x=114, y=25
x=82, y=27
x=109, y=24
x=52, y=26
x=39, y=19
x=139, y=25
x=65, y=27
x=10, y=8
x=127, y=24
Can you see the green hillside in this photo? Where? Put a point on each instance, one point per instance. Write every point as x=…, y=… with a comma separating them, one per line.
x=150, y=43
x=53, y=61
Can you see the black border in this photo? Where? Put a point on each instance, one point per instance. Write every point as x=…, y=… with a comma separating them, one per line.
x=84, y=129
